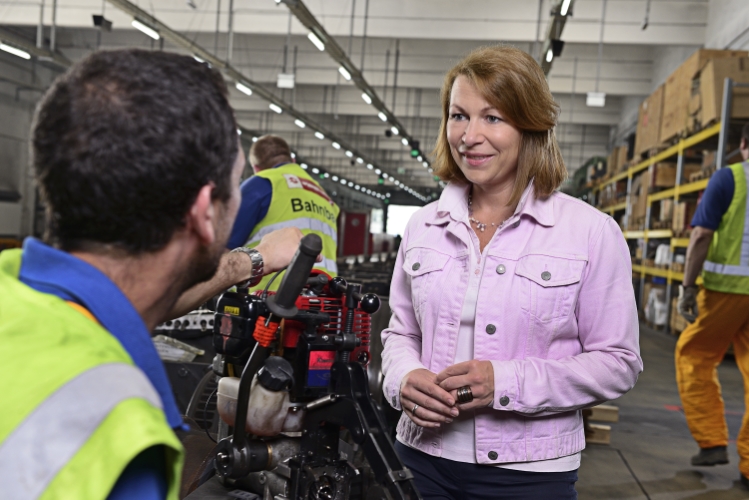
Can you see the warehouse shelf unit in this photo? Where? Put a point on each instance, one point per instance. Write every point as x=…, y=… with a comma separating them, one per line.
x=715, y=137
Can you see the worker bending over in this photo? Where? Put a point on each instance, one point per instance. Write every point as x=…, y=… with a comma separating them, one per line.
x=718, y=312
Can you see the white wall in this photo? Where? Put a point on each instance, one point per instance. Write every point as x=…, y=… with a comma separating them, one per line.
x=727, y=25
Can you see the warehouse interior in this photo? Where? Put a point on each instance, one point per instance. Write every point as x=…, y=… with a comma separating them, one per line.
x=653, y=95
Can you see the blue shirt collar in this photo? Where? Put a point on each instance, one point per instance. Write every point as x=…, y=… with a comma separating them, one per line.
x=53, y=271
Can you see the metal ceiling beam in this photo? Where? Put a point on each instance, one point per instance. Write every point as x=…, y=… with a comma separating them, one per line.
x=27, y=46
x=559, y=14
x=237, y=77
x=337, y=53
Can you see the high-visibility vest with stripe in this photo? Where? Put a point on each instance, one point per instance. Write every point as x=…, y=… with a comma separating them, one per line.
x=76, y=410
x=298, y=201
x=726, y=268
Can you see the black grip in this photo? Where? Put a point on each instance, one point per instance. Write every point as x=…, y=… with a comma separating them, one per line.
x=282, y=303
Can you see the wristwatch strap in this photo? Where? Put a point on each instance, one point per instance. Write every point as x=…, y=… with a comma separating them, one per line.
x=257, y=266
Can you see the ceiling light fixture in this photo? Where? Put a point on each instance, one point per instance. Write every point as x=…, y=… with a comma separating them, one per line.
x=243, y=88
x=549, y=55
x=275, y=107
x=299, y=123
x=382, y=116
x=349, y=154
x=394, y=130
x=315, y=170
x=344, y=73
x=359, y=160
x=404, y=141
x=316, y=41
x=336, y=145
x=319, y=135
x=366, y=98
x=370, y=166
x=565, y=7
x=145, y=29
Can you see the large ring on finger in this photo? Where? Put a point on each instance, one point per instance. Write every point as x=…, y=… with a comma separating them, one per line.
x=465, y=395
x=413, y=410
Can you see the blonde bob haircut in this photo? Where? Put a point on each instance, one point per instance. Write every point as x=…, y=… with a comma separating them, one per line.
x=511, y=81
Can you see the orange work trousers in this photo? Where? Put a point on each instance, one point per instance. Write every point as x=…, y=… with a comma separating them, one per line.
x=723, y=318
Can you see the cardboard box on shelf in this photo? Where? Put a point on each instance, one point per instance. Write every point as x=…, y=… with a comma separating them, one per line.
x=621, y=161
x=677, y=90
x=647, y=135
x=683, y=213
x=639, y=196
x=611, y=166
x=666, y=210
x=708, y=89
x=664, y=174
x=708, y=158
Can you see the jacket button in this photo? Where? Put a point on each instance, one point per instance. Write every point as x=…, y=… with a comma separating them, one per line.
x=490, y=329
x=493, y=455
x=546, y=275
x=504, y=400
x=416, y=266
x=501, y=269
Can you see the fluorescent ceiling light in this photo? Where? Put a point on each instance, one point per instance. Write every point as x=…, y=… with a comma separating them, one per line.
x=359, y=160
x=394, y=130
x=426, y=164
x=343, y=181
x=299, y=123
x=596, y=99
x=430, y=170
x=319, y=135
x=243, y=88
x=369, y=166
x=315, y=170
x=326, y=175
x=293, y=155
x=357, y=187
x=419, y=158
x=275, y=107
x=387, y=195
x=378, y=171
x=146, y=29
x=350, y=184
x=382, y=116
x=336, y=145
x=549, y=55
x=316, y=41
x=344, y=73
x=349, y=154
x=404, y=141
x=239, y=131
x=198, y=58
x=366, y=98
x=565, y=7
x=335, y=177
x=254, y=139
x=304, y=166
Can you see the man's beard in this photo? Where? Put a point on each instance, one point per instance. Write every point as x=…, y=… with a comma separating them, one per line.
x=203, y=266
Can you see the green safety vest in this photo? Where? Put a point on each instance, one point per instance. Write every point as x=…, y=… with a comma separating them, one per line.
x=298, y=201
x=76, y=410
x=726, y=268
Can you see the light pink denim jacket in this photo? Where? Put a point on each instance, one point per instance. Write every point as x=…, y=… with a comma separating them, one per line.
x=556, y=316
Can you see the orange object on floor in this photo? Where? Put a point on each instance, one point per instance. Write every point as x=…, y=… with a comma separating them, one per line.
x=723, y=319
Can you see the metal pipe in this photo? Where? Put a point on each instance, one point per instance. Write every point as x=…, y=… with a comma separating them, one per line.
x=53, y=33
x=218, y=19
x=364, y=34
x=600, y=44
x=40, y=27
x=351, y=31
x=395, y=71
x=230, y=47
x=725, y=122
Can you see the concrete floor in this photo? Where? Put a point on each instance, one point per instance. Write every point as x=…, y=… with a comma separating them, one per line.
x=651, y=445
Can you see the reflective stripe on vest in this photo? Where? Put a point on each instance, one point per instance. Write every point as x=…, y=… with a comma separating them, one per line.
x=35, y=451
x=726, y=268
x=301, y=223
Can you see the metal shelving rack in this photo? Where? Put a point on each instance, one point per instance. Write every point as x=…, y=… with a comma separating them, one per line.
x=719, y=129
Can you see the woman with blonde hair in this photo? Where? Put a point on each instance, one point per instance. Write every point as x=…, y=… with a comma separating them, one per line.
x=512, y=303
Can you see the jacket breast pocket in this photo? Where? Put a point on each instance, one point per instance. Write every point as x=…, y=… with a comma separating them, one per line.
x=549, y=285
x=423, y=266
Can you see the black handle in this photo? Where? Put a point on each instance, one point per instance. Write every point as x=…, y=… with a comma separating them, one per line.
x=282, y=303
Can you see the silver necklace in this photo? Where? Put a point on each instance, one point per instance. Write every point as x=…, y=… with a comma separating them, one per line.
x=481, y=226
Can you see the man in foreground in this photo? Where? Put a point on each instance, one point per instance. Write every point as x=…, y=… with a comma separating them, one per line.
x=137, y=158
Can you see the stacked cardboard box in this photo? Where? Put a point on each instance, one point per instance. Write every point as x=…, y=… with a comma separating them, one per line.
x=664, y=173
x=649, y=122
x=683, y=213
x=639, y=201
x=677, y=91
x=707, y=91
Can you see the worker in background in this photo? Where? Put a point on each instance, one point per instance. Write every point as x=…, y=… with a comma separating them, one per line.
x=136, y=156
x=281, y=194
x=718, y=312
